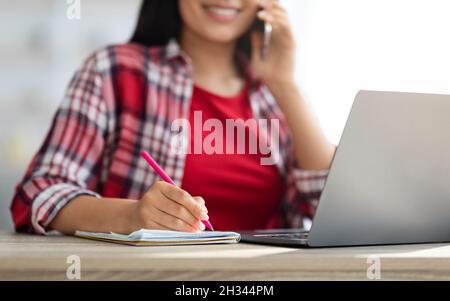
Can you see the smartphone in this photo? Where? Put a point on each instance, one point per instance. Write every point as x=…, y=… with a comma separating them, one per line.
x=266, y=30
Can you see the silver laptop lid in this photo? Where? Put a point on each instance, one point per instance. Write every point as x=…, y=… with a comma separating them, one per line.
x=390, y=178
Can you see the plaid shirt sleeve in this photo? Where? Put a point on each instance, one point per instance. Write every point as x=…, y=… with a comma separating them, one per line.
x=67, y=164
x=309, y=185
x=303, y=193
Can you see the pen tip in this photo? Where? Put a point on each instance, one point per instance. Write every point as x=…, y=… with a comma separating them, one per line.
x=208, y=225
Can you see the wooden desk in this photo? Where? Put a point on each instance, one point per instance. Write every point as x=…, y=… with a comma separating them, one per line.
x=28, y=257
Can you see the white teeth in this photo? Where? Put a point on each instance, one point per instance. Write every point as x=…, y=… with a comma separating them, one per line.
x=222, y=10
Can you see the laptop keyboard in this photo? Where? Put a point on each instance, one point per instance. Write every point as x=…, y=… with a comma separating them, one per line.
x=290, y=236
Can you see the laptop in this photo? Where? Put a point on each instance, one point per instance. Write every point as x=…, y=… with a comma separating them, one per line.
x=389, y=182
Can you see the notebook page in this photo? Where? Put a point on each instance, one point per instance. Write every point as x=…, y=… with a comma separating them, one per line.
x=144, y=234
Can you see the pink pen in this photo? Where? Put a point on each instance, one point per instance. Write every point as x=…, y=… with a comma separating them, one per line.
x=166, y=178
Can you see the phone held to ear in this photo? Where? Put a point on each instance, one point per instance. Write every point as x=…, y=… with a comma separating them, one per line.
x=266, y=30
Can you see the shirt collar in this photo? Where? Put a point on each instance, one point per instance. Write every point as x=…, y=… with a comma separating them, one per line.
x=172, y=50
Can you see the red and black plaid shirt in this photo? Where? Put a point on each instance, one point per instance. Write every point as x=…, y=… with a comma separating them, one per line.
x=121, y=101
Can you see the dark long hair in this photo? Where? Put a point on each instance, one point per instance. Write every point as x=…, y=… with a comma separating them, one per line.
x=160, y=21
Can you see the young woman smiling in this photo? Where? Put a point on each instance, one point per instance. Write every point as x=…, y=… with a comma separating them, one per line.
x=184, y=57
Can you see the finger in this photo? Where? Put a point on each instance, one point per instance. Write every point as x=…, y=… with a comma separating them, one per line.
x=277, y=6
x=267, y=3
x=171, y=222
x=271, y=10
x=183, y=198
x=278, y=20
x=168, y=206
x=273, y=16
x=278, y=11
x=272, y=6
x=265, y=16
x=201, y=202
x=279, y=14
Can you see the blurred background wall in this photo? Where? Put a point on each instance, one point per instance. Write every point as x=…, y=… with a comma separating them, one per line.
x=344, y=46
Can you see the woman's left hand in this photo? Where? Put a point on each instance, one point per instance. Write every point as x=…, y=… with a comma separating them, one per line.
x=279, y=64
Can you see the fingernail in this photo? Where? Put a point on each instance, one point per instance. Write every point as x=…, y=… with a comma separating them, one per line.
x=204, y=216
x=204, y=208
x=202, y=227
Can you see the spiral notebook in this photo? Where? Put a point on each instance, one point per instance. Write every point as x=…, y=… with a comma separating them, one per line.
x=164, y=238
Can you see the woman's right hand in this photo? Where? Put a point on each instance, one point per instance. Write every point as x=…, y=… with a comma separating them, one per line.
x=168, y=207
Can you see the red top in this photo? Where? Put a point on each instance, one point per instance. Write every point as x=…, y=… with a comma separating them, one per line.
x=240, y=193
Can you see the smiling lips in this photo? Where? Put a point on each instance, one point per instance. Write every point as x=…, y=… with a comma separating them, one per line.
x=222, y=13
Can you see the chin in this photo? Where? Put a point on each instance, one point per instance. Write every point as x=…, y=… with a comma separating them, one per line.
x=222, y=36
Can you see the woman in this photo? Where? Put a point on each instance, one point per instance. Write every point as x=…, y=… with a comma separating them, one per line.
x=186, y=57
